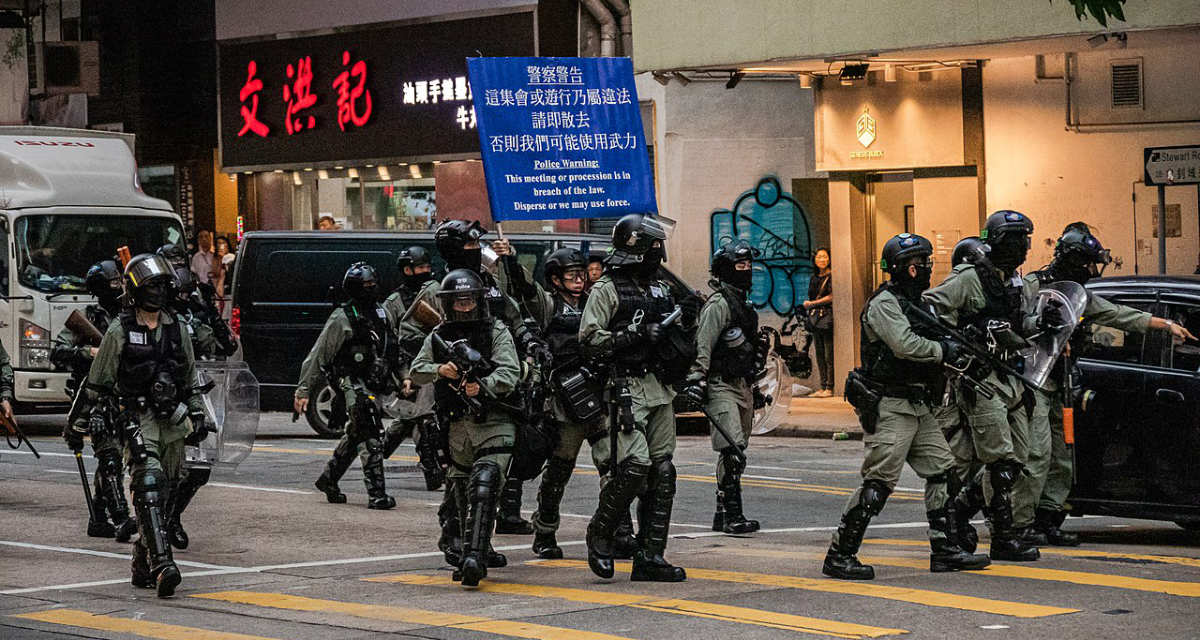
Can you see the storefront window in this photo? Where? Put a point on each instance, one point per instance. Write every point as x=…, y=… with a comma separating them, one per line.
x=392, y=197
x=402, y=205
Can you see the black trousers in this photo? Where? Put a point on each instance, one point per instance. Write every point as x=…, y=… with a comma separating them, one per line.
x=823, y=343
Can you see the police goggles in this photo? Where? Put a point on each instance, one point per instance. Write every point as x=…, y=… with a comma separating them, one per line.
x=574, y=273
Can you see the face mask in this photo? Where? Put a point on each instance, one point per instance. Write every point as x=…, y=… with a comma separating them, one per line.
x=1008, y=254
x=921, y=282
x=470, y=259
x=151, y=298
x=1065, y=270
x=418, y=279
x=650, y=261
x=741, y=279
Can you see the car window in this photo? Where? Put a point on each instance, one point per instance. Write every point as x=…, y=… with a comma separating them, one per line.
x=314, y=276
x=1184, y=356
x=1115, y=345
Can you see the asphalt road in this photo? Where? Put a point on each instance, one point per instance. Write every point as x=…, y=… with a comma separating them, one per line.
x=270, y=558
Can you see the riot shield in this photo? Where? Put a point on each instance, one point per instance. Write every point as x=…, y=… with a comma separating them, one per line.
x=1048, y=345
x=778, y=387
x=231, y=406
x=396, y=406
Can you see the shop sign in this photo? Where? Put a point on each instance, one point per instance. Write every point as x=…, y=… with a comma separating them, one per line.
x=864, y=130
x=1166, y=166
x=561, y=138
x=395, y=92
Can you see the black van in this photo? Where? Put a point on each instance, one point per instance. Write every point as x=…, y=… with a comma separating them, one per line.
x=286, y=283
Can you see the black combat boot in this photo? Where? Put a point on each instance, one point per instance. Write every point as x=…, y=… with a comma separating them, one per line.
x=477, y=540
x=546, y=518
x=946, y=554
x=729, y=517
x=967, y=503
x=140, y=567
x=339, y=462
x=1032, y=535
x=1050, y=522
x=616, y=494
x=654, y=523
x=185, y=490
x=1006, y=544
x=450, y=541
x=510, y=521
x=100, y=527
x=372, y=465
x=841, y=561
x=624, y=540
x=148, y=500
x=427, y=452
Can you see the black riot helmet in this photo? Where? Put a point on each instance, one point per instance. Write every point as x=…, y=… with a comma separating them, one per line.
x=638, y=240
x=1078, y=255
x=412, y=257
x=361, y=283
x=185, y=280
x=1007, y=233
x=970, y=250
x=898, y=254
x=104, y=280
x=726, y=259
x=463, y=299
x=451, y=238
x=562, y=260
x=149, y=279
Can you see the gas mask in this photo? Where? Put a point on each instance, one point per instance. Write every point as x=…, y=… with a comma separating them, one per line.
x=151, y=297
x=1009, y=251
x=653, y=257
x=741, y=279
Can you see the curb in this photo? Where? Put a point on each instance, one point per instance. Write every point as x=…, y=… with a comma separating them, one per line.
x=827, y=433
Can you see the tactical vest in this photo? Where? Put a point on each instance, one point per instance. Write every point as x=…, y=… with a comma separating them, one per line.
x=881, y=363
x=369, y=341
x=655, y=303
x=1001, y=301
x=497, y=302
x=562, y=332
x=408, y=295
x=445, y=397
x=143, y=357
x=732, y=362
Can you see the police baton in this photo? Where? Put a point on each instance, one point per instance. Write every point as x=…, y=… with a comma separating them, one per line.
x=738, y=453
x=87, y=489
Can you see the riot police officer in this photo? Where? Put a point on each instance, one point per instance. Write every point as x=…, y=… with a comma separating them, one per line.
x=726, y=362
x=624, y=325
x=472, y=363
x=352, y=353
x=211, y=339
x=143, y=375
x=893, y=393
x=416, y=271
x=576, y=406
x=73, y=351
x=1039, y=495
x=986, y=301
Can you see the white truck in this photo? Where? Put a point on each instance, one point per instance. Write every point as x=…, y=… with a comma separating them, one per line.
x=68, y=199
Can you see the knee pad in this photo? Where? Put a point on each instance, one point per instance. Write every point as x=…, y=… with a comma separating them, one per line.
x=1004, y=474
x=558, y=469
x=485, y=479
x=662, y=476
x=108, y=463
x=147, y=485
x=873, y=496
x=733, y=463
x=373, y=446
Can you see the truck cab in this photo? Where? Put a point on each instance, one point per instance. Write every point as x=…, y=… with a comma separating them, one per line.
x=68, y=199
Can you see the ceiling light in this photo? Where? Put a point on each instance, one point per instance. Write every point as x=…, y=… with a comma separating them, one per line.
x=806, y=80
x=415, y=171
x=661, y=78
x=323, y=174
x=853, y=71
x=734, y=78
x=308, y=168
x=277, y=171
x=384, y=174
x=889, y=73
x=247, y=172
x=338, y=167
x=370, y=165
x=1097, y=40
x=681, y=79
x=296, y=179
x=353, y=173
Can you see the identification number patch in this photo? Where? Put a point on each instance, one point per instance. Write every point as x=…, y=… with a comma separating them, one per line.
x=191, y=330
x=137, y=337
x=380, y=312
x=656, y=291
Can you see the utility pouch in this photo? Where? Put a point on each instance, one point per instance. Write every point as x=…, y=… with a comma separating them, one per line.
x=580, y=395
x=864, y=395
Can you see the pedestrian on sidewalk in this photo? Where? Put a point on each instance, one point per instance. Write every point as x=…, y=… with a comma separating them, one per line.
x=819, y=320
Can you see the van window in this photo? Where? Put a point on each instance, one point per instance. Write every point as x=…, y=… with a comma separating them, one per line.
x=313, y=276
x=55, y=251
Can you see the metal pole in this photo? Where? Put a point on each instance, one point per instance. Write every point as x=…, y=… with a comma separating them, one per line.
x=1162, y=230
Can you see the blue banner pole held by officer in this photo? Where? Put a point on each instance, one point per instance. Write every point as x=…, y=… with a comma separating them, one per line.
x=561, y=138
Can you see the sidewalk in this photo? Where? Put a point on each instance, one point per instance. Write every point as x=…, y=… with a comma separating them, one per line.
x=817, y=418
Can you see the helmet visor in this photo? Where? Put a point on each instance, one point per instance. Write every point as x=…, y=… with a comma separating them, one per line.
x=463, y=305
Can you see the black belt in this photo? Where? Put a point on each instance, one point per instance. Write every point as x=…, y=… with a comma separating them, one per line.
x=915, y=393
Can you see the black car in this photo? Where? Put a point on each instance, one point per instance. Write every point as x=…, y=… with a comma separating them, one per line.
x=1137, y=429
x=286, y=284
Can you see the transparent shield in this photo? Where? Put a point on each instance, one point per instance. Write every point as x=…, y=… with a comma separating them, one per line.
x=776, y=385
x=231, y=406
x=407, y=409
x=1049, y=344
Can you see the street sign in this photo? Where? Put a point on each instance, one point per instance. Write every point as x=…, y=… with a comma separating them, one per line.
x=1167, y=166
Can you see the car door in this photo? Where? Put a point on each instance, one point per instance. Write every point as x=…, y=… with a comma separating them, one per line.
x=1171, y=432
x=1109, y=419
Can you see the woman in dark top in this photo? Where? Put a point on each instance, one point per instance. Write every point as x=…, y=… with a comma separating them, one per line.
x=819, y=307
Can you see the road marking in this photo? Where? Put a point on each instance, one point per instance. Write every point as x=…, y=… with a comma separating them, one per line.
x=144, y=628
x=1071, y=553
x=791, y=485
x=324, y=453
x=228, y=485
x=797, y=480
x=423, y=617
x=102, y=554
x=1187, y=589
x=915, y=596
x=798, y=470
x=726, y=613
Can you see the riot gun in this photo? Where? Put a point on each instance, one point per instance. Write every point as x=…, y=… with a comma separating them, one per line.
x=82, y=327
x=944, y=330
x=471, y=365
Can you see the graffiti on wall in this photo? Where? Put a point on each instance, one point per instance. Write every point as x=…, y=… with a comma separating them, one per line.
x=771, y=220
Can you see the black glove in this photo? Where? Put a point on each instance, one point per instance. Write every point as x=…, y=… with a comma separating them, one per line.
x=200, y=430
x=695, y=388
x=1053, y=316
x=952, y=352
x=623, y=340
x=74, y=438
x=653, y=332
